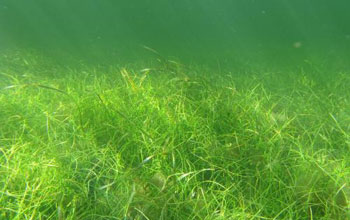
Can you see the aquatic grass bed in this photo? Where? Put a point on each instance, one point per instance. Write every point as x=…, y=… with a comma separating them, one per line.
x=171, y=142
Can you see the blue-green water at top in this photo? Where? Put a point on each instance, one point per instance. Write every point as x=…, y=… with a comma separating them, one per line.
x=271, y=32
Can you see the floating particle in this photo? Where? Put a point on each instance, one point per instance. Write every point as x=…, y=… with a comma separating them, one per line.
x=297, y=44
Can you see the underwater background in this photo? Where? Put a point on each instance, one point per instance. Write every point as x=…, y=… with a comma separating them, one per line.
x=240, y=32
x=175, y=109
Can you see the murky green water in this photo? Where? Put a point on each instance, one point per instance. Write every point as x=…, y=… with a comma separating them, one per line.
x=174, y=109
x=240, y=32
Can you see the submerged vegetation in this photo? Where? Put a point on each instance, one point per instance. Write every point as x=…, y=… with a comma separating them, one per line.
x=169, y=141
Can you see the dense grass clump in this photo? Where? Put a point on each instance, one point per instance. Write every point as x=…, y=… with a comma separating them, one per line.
x=169, y=141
